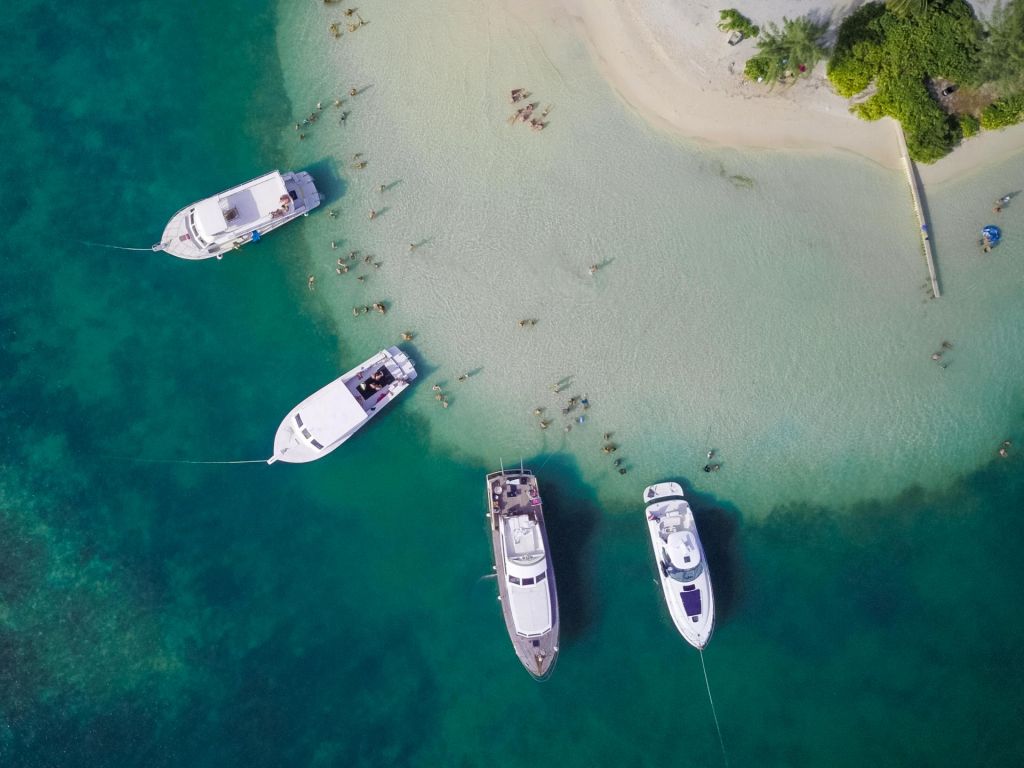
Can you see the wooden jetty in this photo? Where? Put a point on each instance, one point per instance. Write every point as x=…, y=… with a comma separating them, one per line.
x=916, y=193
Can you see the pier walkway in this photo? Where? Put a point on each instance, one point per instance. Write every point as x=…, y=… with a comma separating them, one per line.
x=916, y=194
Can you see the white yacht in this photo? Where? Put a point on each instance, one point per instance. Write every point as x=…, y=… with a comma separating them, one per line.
x=241, y=215
x=682, y=567
x=526, y=580
x=330, y=416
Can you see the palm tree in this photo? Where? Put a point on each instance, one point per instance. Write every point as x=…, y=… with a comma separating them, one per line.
x=794, y=49
x=1002, y=55
x=907, y=7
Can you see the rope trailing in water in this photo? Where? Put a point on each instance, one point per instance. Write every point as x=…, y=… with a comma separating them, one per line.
x=189, y=461
x=117, y=247
x=714, y=714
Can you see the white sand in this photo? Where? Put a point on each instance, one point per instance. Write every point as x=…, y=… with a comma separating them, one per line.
x=670, y=62
x=768, y=304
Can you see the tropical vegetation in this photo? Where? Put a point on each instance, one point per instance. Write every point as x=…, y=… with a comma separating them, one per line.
x=787, y=52
x=914, y=54
x=734, y=21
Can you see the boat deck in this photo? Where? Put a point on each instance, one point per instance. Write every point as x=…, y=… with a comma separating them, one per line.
x=509, y=494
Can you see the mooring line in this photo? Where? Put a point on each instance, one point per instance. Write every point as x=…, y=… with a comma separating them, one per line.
x=108, y=245
x=714, y=714
x=187, y=461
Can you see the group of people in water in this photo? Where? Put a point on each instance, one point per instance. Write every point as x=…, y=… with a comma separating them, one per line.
x=335, y=27
x=525, y=113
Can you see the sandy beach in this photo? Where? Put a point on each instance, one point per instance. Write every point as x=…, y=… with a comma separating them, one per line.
x=671, y=63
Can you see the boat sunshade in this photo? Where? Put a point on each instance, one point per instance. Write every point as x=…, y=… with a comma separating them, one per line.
x=691, y=602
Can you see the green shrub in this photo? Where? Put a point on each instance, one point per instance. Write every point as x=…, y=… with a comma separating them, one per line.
x=999, y=114
x=733, y=20
x=899, y=52
x=969, y=126
x=757, y=68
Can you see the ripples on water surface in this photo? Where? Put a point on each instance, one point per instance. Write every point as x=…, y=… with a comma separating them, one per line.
x=335, y=614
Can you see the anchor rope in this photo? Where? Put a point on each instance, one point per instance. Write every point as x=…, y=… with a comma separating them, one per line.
x=117, y=247
x=187, y=461
x=714, y=714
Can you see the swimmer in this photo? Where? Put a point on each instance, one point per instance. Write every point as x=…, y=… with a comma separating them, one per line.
x=622, y=470
x=406, y=336
x=311, y=283
x=334, y=244
x=373, y=214
x=464, y=377
x=436, y=388
x=538, y=411
x=352, y=92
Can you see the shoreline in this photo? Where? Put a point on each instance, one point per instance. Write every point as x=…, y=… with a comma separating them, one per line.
x=670, y=64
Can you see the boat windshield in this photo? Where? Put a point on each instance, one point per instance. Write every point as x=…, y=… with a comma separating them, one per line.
x=681, y=574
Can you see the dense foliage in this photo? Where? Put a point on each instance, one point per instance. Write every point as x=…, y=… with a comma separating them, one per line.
x=969, y=126
x=734, y=21
x=1002, y=57
x=1004, y=112
x=793, y=50
x=900, y=50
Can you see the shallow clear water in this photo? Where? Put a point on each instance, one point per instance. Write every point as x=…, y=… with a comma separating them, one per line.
x=337, y=613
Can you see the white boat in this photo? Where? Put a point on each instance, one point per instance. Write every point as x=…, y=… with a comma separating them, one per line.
x=526, y=580
x=331, y=415
x=682, y=567
x=241, y=215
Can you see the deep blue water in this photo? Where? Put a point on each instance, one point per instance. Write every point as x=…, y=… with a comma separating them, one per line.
x=335, y=614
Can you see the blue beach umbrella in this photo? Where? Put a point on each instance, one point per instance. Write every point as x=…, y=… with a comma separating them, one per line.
x=991, y=234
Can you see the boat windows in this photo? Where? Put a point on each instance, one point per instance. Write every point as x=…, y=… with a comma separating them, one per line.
x=527, y=581
x=541, y=576
x=514, y=579
x=298, y=419
x=293, y=194
x=316, y=444
x=305, y=434
x=680, y=574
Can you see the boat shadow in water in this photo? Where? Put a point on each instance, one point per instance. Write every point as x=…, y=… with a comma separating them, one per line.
x=328, y=183
x=571, y=515
x=718, y=525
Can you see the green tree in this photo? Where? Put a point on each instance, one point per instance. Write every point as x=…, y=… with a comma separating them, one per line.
x=794, y=49
x=908, y=7
x=1002, y=55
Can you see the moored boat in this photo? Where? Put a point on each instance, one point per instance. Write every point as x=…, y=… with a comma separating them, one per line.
x=682, y=566
x=334, y=413
x=243, y=214
x=526, y=579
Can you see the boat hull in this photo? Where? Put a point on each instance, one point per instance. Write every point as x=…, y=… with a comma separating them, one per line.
x=539, y=653
x=179, y=236
x=689, y=599
x=290, y=448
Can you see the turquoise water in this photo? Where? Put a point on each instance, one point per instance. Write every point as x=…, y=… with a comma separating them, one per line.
x=158, y=614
